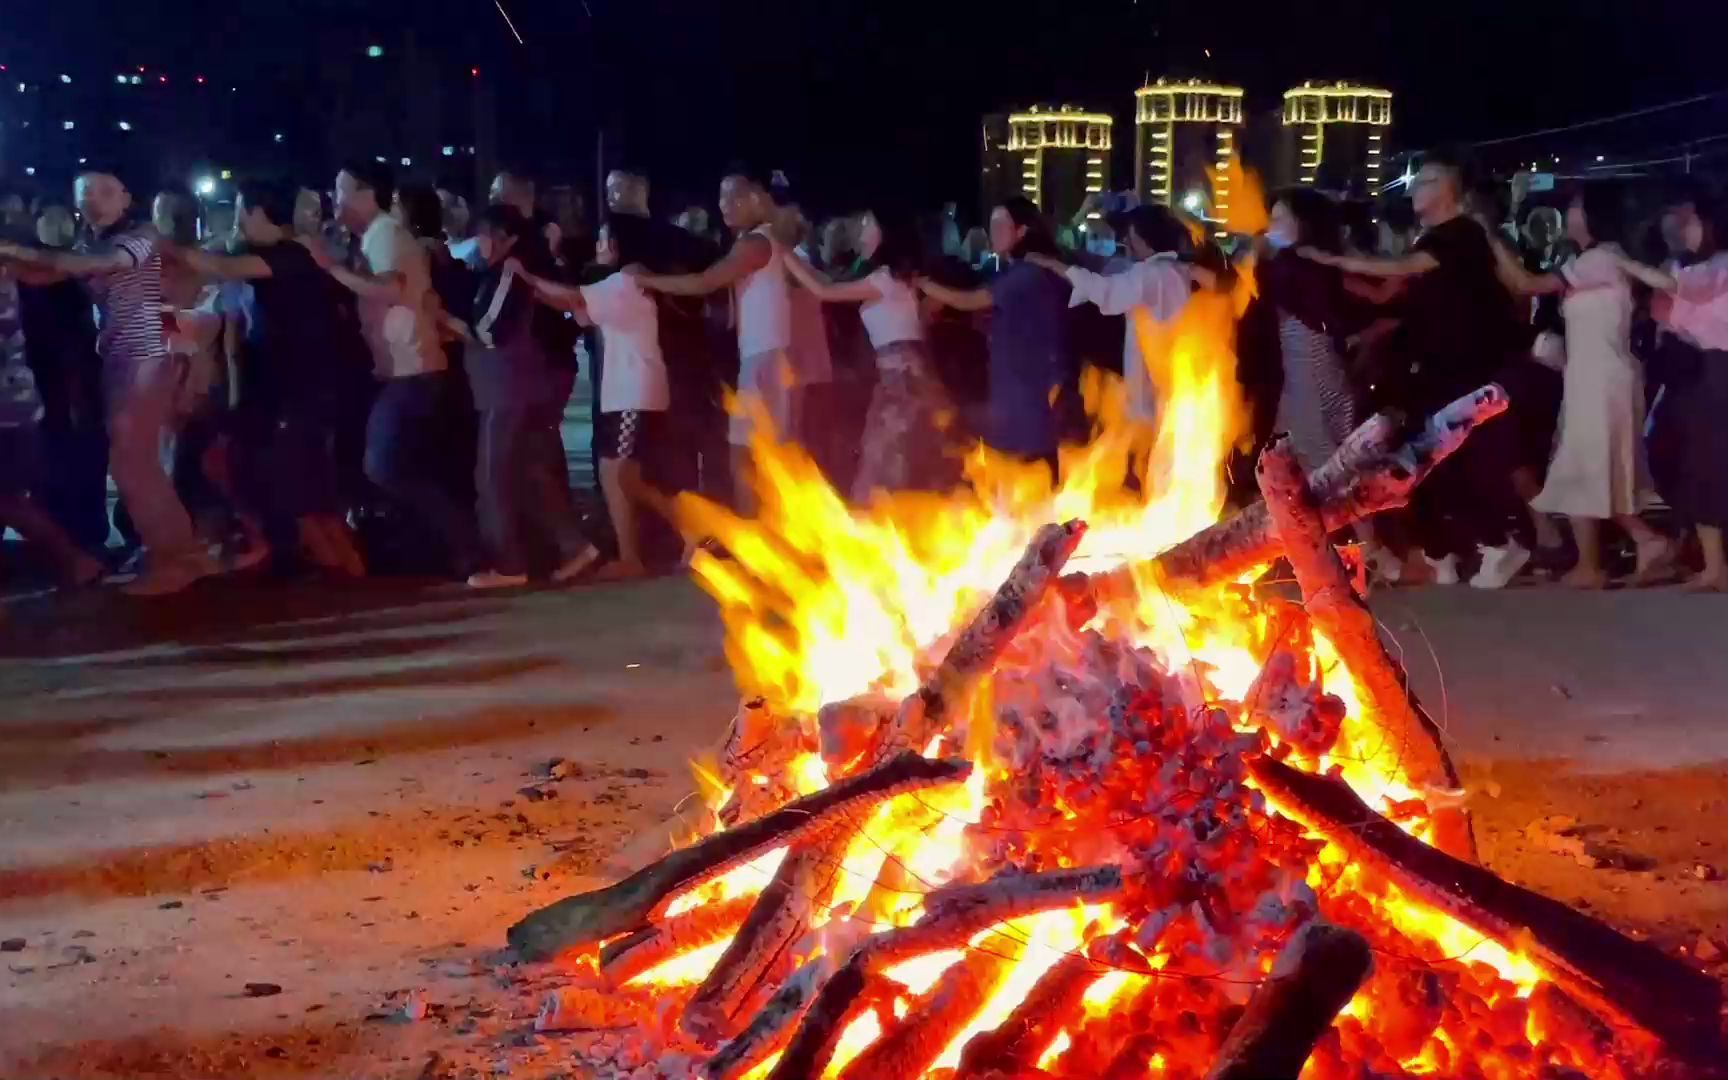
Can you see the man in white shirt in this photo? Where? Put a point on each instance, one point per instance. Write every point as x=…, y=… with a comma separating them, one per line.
x=1152, y=293
x=399, y=316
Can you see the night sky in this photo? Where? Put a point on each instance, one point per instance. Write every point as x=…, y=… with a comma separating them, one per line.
x=854, y=96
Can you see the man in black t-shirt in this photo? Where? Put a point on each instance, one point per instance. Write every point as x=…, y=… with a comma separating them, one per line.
x=1457, y=330
x=295, y=373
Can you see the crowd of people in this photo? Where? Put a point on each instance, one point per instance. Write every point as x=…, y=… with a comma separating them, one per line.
x=375, y=379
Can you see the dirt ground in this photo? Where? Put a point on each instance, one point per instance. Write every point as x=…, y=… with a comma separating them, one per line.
x=261, y=833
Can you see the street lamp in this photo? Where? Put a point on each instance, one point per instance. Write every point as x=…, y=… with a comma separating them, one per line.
x=1193, y=202
x=206, y=186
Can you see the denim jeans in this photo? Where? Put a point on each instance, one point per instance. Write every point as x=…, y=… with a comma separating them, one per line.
x=403, y=458
x=140, y=411
x=523, y=483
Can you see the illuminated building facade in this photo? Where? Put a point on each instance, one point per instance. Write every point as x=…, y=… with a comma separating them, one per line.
x=1181, y=129
x=1334, y=136
x=1055, y=156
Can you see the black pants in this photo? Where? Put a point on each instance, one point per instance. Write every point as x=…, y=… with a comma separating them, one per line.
x=1468, y=500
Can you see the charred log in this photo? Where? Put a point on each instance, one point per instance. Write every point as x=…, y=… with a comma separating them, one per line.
x=1364, y=477
x=912, y=1046
x=1317, y=974
x=628, y=904
x=847, y=993
x=771, y=1027
x=761, y=947
x=1338, y=612
x=1621, y=978
x=631, y=955
x=952, y=916
x=974, y=652
x=1016, y=1045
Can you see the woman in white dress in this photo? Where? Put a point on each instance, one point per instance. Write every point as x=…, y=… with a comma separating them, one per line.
x=1599, y=470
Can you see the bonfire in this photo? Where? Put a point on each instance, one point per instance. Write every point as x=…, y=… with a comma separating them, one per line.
x=1031, y=782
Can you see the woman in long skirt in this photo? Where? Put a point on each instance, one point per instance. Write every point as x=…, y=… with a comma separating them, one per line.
x=904, y=446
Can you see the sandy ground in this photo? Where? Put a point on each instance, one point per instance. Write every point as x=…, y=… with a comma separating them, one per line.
x=248, y=832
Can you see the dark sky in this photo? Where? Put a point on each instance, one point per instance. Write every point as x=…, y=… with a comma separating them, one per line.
x=850, y=96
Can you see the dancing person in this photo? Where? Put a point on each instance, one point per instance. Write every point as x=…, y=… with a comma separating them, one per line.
x=1692, y=306
x=752, y=268
x=123, y=265
x=1531, y=378
x=291, y=384
x=422, y=214
x=1034, y=381
x=1599, y=471
x=812, y=358
x=903, y=445
x=60, y=346
x=1156, y=284
x=399, y=315
x=520, y=392
x=635, y=394
x=1455, y=333
x=21, y=410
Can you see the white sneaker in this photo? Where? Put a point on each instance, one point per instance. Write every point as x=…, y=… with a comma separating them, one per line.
x=492, y=579
x=1500, y=565
x=169, y=576
x=1445, y=570
x=576, y=567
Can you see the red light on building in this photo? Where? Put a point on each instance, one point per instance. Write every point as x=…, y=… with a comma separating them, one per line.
x=162, y=78
x=473, y=72
x=200, y=80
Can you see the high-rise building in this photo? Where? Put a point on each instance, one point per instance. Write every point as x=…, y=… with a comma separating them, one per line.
x=1333, y=136
x=1182, y=128
x=1055, y=156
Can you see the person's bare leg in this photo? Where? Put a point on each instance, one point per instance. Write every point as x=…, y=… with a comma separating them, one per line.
x=616, y=476
x=329, y=545
x=1528, y=487
x=1588, y=574
x=1655, y=551
x=76, y=566
x=1714, y=576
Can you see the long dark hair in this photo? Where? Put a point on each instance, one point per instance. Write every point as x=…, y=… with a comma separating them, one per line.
x=422, y=212
x=1604, y=206
x=899, y=251
x=1318, y=222
x=1039, y=240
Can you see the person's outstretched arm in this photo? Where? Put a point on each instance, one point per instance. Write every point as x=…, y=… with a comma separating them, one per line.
x=126, y=256
x=226, y=267
x=1412, y=265
x=818, y=284
x=1519, y=280
x=748, y=255
x=958, y=299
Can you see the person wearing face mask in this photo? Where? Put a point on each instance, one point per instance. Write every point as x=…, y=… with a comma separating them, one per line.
x=1317, y=405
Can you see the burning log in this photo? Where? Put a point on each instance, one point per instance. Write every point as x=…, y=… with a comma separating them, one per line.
x=936, y=1017
x=1365, y=476
x=1595, y=963
x=626, y=905
x=847, y=993
x=629, y=956
x=1316, y=975
x=771, y=1027
x=759, y=743
x=952, y=916
x=782, y=913
x=1016, y=1045
x=974, y=652
x=1337, y=611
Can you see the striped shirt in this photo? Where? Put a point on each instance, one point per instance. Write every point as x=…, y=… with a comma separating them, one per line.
x=130, y=333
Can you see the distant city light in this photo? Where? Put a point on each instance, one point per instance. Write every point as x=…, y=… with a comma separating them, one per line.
x=407, y=161
x=68, y=125
x=200, y=80
x=449, y=151
x=20, y=88
x=29, y=170
x=227, y=174
x=65, y=78
x=374, y=51
x=1192, y=202
x=161, y=78
x=137, y=81
x=1601, y=157
x=474, y=72
x=277, y=137
x=124, y=126
x=121, y=79
x=206, y=185
x=379, y=159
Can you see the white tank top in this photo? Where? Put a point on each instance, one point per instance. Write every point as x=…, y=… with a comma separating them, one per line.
x=764, y=306
x=893, y=317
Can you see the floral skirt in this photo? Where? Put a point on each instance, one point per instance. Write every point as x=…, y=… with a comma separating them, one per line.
x=905, y=445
